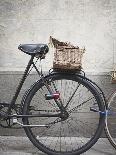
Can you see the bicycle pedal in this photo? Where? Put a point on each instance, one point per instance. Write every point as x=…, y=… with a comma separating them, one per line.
x=52, y=96
x=15, y=120
x=93, y=109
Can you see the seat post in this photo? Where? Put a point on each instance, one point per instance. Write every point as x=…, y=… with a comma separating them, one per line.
x=20, y=84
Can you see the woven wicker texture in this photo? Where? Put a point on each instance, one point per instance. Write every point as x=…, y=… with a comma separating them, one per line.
x=66, y=56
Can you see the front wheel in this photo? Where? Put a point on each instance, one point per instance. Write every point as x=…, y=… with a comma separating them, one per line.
x=78, y=130
x=110, y=128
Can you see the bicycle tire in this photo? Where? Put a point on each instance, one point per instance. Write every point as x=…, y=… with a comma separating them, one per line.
x=79, y=137
x=110, y=122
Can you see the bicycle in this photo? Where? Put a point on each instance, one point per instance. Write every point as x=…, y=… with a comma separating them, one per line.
x=62, y=113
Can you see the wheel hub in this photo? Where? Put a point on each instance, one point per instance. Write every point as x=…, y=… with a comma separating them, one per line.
x=64, y=115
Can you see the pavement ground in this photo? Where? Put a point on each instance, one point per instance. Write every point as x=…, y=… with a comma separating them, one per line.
x=11, y=145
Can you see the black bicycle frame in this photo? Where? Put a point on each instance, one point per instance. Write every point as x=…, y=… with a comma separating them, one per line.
x=26, y=72
x=13, y=101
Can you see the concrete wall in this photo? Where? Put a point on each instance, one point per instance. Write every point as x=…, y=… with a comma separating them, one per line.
x=89, y=23
x=9, y=81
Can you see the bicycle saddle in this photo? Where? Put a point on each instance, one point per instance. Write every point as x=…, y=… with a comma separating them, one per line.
x=34, y=49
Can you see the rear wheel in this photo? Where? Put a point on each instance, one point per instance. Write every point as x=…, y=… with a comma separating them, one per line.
x=110, y=122
x=81, y=127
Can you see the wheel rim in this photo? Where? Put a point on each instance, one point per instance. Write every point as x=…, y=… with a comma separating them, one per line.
x=76, y=131
x=111, y=120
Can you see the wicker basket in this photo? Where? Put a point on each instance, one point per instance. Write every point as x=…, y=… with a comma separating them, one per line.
x=66, y=56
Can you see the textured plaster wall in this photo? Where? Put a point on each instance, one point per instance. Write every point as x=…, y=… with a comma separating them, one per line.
x=89, y=23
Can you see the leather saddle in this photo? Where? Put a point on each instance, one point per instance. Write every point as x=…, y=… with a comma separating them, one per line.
x=34, y=49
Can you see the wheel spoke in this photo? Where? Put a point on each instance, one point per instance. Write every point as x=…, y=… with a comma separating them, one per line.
x=74, y=128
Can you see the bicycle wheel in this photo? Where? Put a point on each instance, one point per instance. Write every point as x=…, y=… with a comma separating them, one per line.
x=73, y=135
x=111, y=120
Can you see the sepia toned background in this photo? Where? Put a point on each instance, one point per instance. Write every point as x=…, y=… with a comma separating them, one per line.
x=86, y=23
